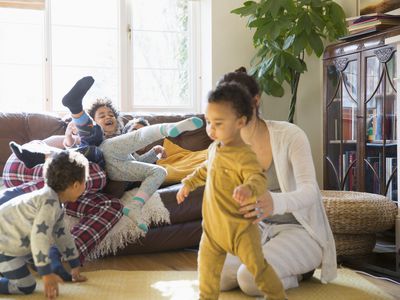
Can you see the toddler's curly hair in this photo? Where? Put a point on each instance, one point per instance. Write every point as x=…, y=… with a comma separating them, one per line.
x=236, y=95
x=64, y=168
x=100, y=102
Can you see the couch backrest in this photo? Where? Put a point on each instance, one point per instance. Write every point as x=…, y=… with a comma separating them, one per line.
x=191, y=140
x=25, y=127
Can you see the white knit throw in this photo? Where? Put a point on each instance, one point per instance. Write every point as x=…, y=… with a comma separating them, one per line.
x=126, y=231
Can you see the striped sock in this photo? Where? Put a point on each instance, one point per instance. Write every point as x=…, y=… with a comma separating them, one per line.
x=175, y=129
x=57, y=266
x=134, y=212
x=4, y=285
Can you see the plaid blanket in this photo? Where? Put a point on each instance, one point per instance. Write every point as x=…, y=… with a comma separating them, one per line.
x=15, y=173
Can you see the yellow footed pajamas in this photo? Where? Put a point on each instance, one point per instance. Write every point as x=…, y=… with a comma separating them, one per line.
x=247, y=247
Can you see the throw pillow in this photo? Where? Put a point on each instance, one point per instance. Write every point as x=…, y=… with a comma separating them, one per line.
x=180, y=162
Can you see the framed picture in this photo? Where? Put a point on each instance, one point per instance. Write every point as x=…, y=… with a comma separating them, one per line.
x=366, y=7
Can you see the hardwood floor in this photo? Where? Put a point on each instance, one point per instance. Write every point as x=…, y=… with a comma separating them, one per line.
x=164, y=261
x=184, y=261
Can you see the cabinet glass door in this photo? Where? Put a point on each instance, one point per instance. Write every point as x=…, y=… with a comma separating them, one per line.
x=342, y=94
x=380, y=160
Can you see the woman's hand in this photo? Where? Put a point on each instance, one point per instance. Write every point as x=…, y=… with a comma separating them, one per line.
x=160, y=151
x=263, y=208
x=50, y=282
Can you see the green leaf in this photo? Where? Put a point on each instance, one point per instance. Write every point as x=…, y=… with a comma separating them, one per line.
x=305, y=23
x=274, y=30
x=258, y=22
x=316, y=43
x=265, y=66
x=316, y=19
x=288, y=5
x=337, y=10
x=274, y=88
x=274, y=8
x=272, y=46
x=309, y=50
x=248, y=8
x=262, y=52
x=265, y=7
x=288, y=41
x=316, y=3
x=261, y=33
x=299, y=44
x=293, y=62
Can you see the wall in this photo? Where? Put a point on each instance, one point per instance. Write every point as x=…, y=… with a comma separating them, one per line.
x=227, y=44
x=226, y=41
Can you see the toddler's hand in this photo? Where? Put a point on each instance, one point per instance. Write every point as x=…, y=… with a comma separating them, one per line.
x=71, y=135
x=182, y=194
x=76, y=275
x=50, y=282
x=160, y=151
x=242, y=193
x=71, y=129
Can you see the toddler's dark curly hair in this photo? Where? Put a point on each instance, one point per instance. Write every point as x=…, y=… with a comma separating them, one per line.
x=235, y=94
x=65, y=168
x=100, y=102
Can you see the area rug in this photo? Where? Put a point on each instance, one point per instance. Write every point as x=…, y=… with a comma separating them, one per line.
x=183, y=285
x=126, y=231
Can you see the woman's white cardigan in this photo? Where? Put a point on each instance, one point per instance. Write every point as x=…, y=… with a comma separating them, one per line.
x=300, y=194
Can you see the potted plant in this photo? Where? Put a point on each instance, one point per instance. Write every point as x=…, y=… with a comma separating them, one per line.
x=284, y=31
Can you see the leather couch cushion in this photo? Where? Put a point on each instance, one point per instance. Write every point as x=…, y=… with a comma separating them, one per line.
x=25, y=127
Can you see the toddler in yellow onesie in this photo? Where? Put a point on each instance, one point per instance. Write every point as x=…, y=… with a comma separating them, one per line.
x=232, y=176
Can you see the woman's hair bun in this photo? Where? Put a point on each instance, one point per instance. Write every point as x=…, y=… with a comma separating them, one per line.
x=241, y=69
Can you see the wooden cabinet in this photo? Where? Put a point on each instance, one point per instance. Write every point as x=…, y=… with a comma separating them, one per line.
x=360, y=138
x=360, y=145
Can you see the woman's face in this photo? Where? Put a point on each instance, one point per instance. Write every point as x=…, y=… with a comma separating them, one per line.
x=105, y=117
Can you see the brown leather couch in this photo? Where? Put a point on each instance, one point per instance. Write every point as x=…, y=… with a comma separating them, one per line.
x=185, y=228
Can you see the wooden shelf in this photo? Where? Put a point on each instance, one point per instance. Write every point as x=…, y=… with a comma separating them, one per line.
x=372, y=115
x=344, y=142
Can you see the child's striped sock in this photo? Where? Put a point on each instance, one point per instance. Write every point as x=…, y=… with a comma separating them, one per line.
x=56, y=264
x=175, y=129
x=134, y=212
x=4, y=285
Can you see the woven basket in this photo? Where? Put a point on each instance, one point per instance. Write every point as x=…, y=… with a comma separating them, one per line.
x=358, y=213
x=354, y=244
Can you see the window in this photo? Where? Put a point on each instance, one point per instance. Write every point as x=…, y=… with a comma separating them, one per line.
x=84, y=42
x=161, y=74
x=21, y=59
x=141, y=53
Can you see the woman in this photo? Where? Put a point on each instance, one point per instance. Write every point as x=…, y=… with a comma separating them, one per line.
x=296, y=236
